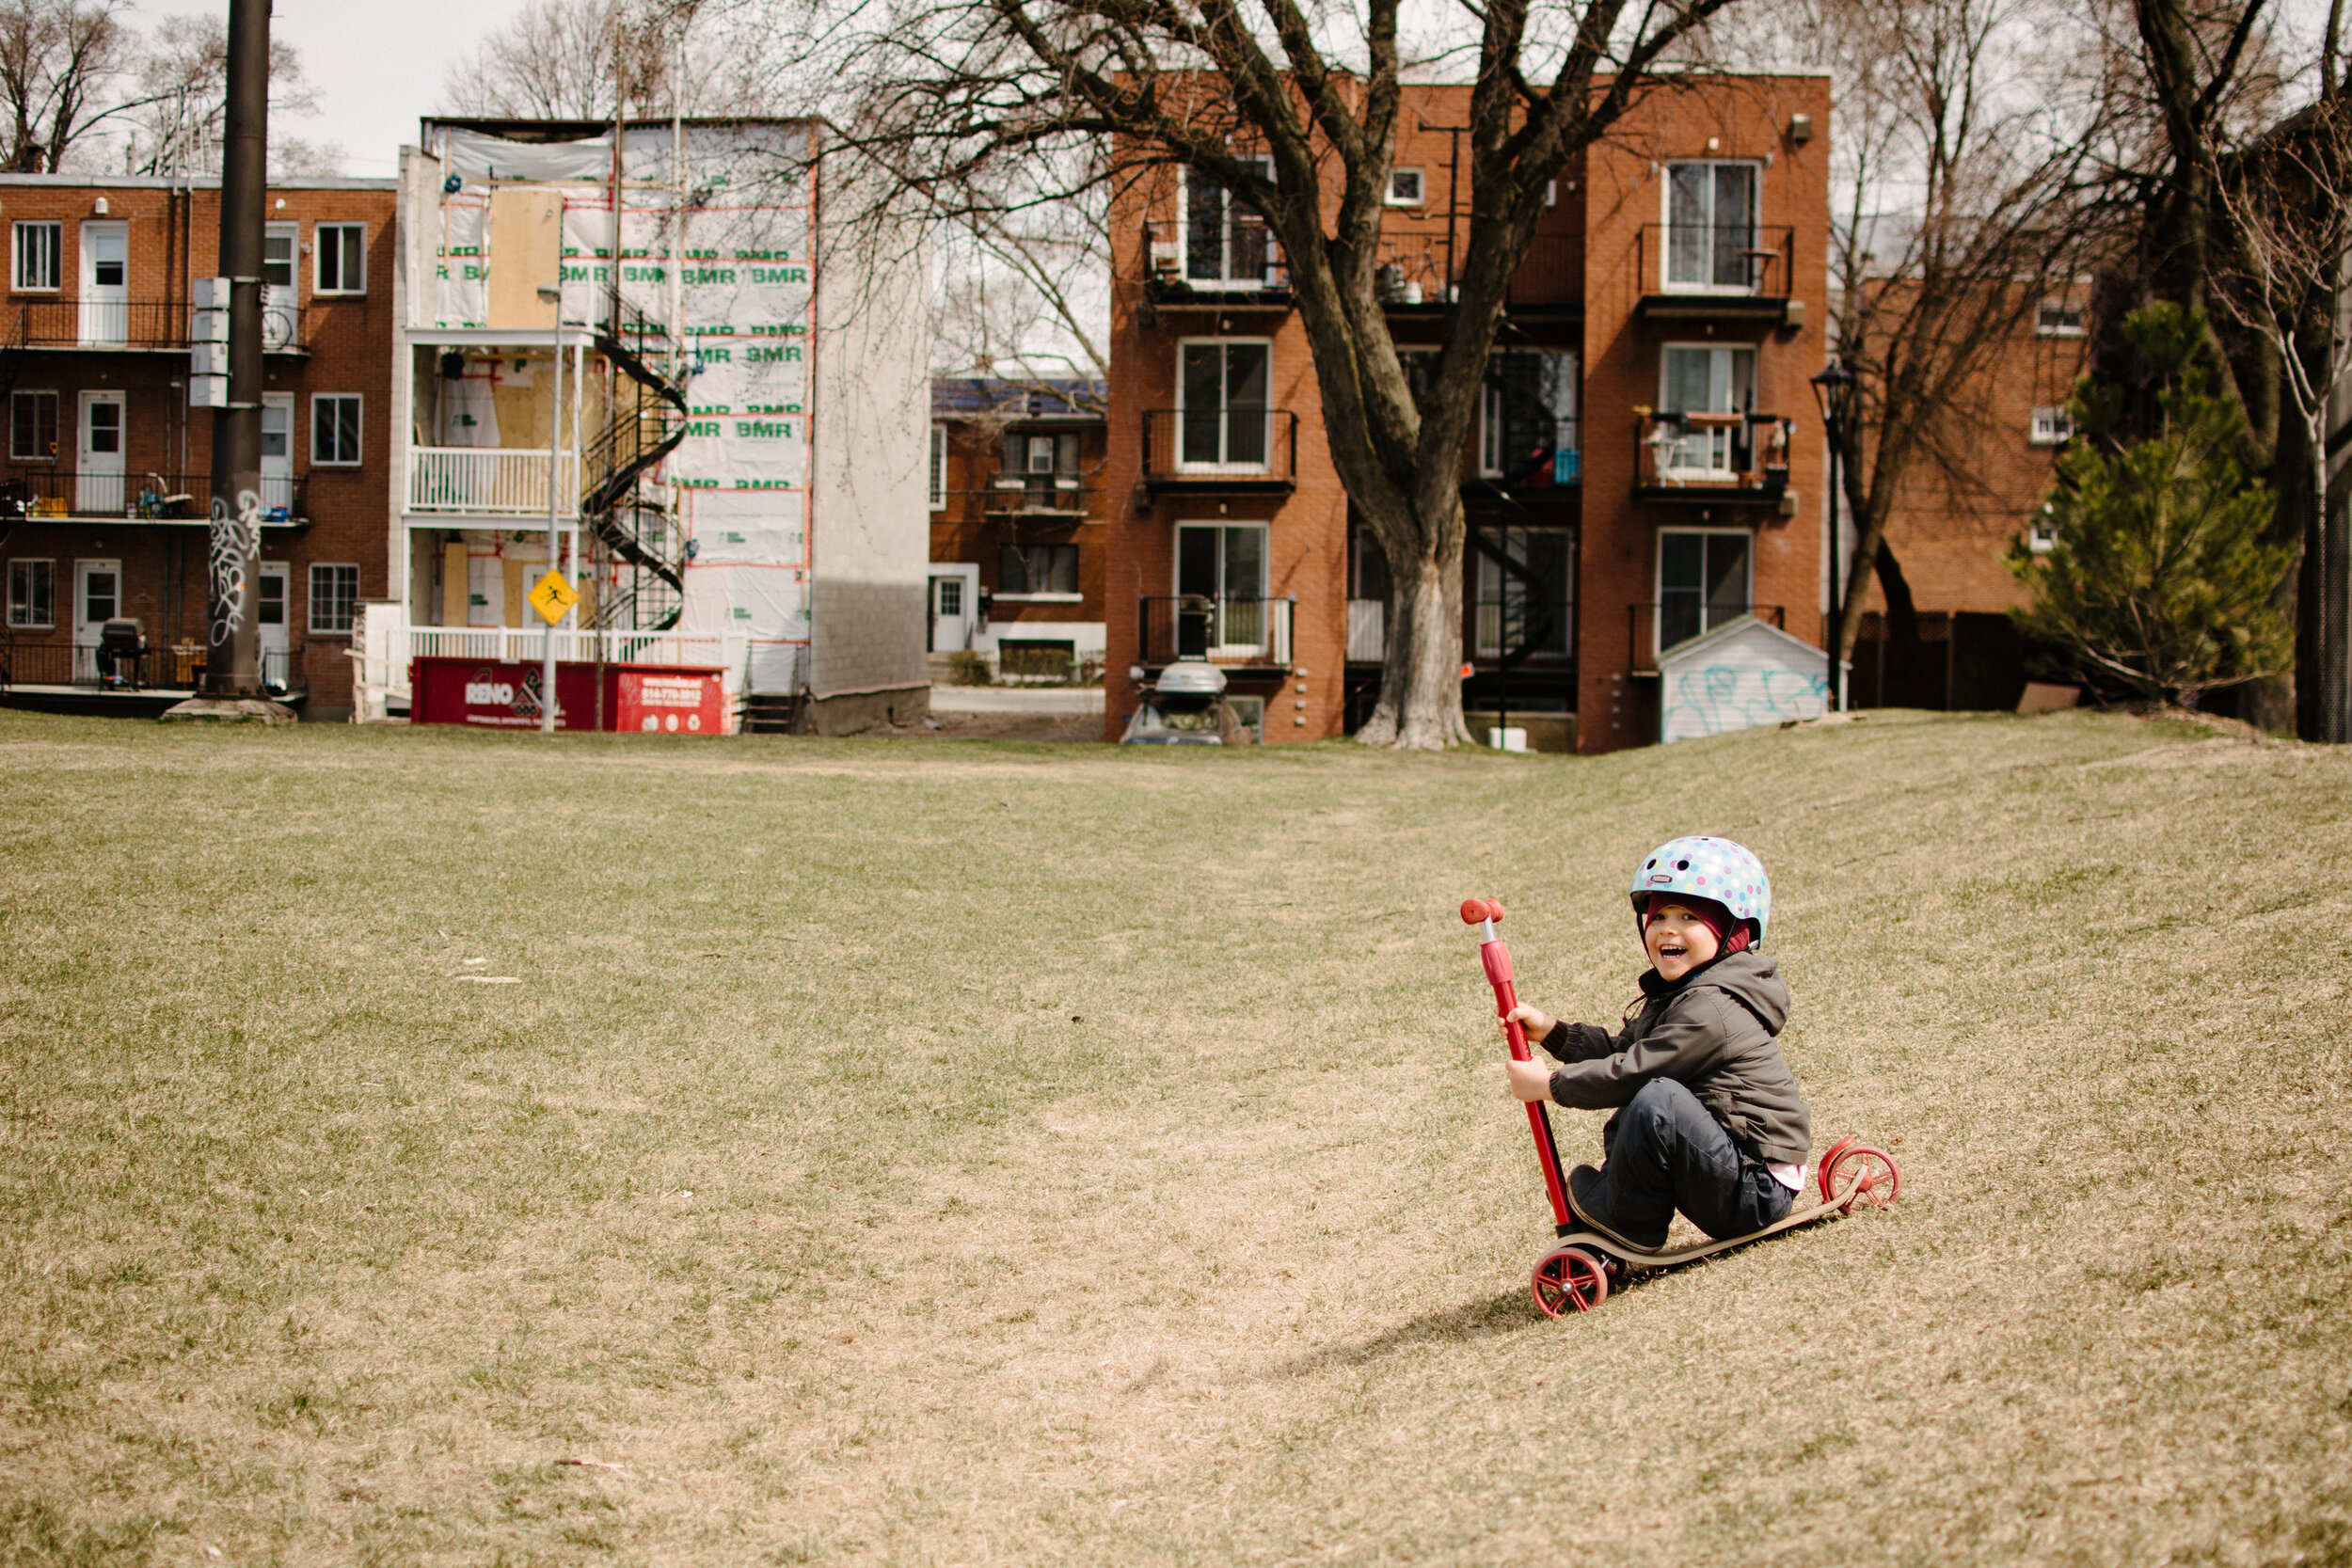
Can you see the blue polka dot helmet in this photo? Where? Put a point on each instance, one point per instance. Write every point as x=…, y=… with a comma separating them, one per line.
x=1706, y=867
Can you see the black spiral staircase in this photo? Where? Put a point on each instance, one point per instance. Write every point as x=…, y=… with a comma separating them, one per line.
x=648, y=420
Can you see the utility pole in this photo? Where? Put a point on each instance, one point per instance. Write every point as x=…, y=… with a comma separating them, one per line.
x=232, y=665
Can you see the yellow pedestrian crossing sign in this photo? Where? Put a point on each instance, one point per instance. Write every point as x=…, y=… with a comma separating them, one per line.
x=552, y=598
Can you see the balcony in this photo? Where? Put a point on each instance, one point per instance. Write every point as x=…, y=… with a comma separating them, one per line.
x=1226, y=452
x=1719, y=273
x=160, y=666
x=1418, y=268
x=44, y=494
x=132, y=325
x=1656, y=628
x=1245, y=636
x=489, y=481
x=1043, y=498
x=1233, y=265
x=1710, y=459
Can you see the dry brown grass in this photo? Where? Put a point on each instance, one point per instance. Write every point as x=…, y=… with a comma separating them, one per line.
x=917, y=1153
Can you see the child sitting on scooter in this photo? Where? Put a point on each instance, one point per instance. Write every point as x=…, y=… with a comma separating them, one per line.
x=1709, y=1119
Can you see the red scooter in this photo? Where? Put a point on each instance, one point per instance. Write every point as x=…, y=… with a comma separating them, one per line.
x=1577, y=1274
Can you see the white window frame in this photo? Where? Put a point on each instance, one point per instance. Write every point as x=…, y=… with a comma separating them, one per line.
x=939, y=467
x=1219, y=646
x=1184, y=237
x=2051, y=427
x=1224, y=441
x=1667, y=224
x=1077, y=562
x=2045, y=328
x=311, y=606
x=1658, y=581
x=1489, y=407
x=2041, y=534
x=55, y=256
x=320, y=250
x=56, y=435
x=1724, y=447
x=1419, y=178
x=24, y=621
x=360, y=430
x=290, y=233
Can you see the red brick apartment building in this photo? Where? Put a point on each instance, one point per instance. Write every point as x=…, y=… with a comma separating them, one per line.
x=1950, y=531
x=1648, y=467
x=1017, y=513
x=106, y=488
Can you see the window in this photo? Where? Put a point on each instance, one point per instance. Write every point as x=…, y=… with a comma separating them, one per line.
x=39, y=255
x=270, y=602
x=335, y=427
x=2052, y=427
x=334, y=598
x=1026, y=571
x=1702, y=582
x=2041, y=533
x=1226, y=240
x=278, y=244
x=1221, y=387
x=1221, y=573
x=939, y=467
x=1704, y=394
x=1526, y=590
x=342, y=259
x=1041, y=455
x=33, y=593
x=32, y=427
x=1371, y=575
x=1405, y=187
x=1529, y=436
x=102, y=591
x=1711, y=226
x=2057, y=319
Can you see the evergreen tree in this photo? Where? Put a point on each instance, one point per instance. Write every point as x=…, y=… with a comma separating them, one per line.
x=2160, y=577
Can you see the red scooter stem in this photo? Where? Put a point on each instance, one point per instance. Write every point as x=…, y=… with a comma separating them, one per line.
x=1497, y=959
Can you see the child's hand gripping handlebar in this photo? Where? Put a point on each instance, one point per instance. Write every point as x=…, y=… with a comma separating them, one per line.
x=1497, y=958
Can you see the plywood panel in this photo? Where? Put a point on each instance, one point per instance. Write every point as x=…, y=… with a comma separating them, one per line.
x=454, y=588
x=526, y=255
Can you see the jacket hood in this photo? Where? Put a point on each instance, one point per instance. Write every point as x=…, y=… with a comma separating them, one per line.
x=1752, y=979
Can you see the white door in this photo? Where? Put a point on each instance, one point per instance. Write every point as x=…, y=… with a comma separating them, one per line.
x=953, y=610
x=98, y=477
x=97, y=599
x=106, y=283
x=278, y=455
x=275, y=580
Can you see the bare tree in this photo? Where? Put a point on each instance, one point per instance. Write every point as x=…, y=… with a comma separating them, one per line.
x=1024, y=298
x=183, y=83
x=1295, y=113
x=1965, y=142
x=60, y=64
x=565, y=59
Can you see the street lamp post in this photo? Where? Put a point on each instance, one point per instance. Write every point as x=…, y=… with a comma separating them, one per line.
x=555, y=491
x=1832, y=392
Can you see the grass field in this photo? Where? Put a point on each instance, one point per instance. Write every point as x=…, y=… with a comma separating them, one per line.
x=917, y=1153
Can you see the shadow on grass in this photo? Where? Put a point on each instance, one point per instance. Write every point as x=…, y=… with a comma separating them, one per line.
x=1503, y=1313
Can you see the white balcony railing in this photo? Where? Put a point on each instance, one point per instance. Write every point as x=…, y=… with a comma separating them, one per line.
x=527, y=644
x=496, y=481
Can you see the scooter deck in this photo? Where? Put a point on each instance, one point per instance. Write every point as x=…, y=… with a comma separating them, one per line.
x=1576, y=1235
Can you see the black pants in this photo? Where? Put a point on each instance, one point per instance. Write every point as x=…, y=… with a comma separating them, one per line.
x=1665, y=1153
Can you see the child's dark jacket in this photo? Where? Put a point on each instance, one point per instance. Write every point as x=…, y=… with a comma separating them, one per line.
x=1712, y=1030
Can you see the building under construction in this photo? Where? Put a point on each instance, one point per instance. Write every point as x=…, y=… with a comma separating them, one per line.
x=641, y=336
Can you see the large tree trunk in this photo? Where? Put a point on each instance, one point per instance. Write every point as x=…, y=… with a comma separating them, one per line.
x=1421, y=669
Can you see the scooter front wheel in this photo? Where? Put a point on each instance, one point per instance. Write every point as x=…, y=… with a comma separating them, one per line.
x=1570, y=1279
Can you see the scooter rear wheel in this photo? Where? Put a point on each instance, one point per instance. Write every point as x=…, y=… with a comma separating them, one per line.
x=1570, y=1279
x=1861, y=1173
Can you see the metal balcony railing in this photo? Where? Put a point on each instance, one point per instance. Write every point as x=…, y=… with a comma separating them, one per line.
x=1417, y=266
x=1222, y=629
x=1238, y=255
x=1367, y=631
x=490, y=481
x=133, y=323
x=1220, y=447
x=36, y=493
x=1722, y=259
x=171, y=666
x=1656, y=628
x=1710, y=456
x=1048, y=495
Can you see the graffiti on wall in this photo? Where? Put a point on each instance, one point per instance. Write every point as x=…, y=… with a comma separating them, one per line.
x=1717, y=699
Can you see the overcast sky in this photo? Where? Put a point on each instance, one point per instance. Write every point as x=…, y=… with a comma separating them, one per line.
x=377, y=64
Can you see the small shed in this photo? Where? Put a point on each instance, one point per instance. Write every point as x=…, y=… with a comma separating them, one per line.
x=1742, y=673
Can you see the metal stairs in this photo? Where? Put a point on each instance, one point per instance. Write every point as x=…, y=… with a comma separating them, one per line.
x=648, y=420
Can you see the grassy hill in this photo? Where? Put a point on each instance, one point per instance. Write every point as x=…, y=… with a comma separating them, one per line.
x=918, y=1154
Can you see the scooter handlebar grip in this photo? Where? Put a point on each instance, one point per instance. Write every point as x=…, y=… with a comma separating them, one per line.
x=1476, y=910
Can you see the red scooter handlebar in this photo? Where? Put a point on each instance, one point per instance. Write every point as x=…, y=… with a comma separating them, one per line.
x=1497, y=958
